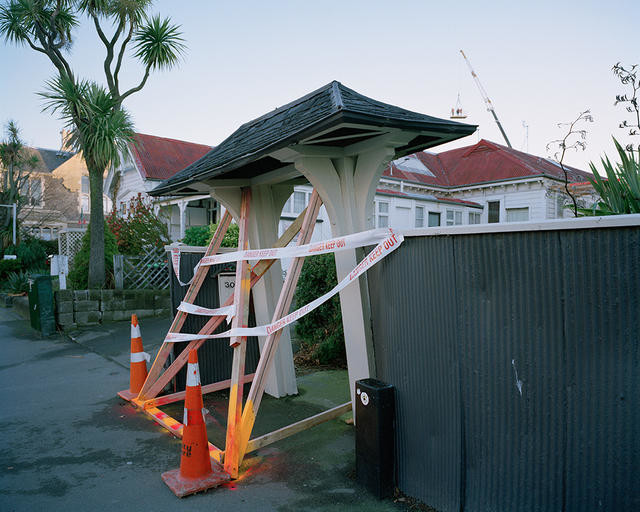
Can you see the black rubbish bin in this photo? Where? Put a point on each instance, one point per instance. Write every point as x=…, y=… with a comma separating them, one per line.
x=375, y=447
x=41, y=304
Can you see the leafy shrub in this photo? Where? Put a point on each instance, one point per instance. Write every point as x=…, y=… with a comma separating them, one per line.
x=202, y=235
x=79, y=273
x=197, y=235
x=30, y=251
x=321, y=330
x=620, y=191
x=140, y=228
x=18, y=282
x=50, y=246
x=7, y=266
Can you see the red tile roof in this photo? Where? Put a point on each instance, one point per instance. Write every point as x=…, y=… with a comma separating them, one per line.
x=458, y=201
x=483, y=162
x=159, y=158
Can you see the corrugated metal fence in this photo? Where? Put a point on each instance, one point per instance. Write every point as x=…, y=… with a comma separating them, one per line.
x=516, y=362
x=215, y=356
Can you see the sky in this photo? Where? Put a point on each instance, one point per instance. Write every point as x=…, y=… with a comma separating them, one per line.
x=542, y=63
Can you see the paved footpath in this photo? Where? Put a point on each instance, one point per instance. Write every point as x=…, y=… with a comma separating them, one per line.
x=69, y=443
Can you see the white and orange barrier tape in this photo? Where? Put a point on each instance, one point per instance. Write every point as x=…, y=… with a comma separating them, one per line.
x=385, y=246
x=192, y=309
x=340, y=243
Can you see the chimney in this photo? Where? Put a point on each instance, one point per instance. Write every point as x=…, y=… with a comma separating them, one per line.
x=65, y=141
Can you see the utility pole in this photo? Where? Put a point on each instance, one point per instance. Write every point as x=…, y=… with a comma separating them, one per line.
x=486, y=99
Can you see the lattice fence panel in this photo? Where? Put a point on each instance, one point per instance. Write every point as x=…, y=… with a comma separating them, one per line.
x=148, y=270
x=69, y=242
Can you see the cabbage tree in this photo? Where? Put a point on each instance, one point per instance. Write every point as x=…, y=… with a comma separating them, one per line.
x=100, y=127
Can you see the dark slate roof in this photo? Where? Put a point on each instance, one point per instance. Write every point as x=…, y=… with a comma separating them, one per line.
x=48, y=160
x=245, y=152
x=484, y=162
x=159, y=158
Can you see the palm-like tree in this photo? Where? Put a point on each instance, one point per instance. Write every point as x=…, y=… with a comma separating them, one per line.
x=101, y=128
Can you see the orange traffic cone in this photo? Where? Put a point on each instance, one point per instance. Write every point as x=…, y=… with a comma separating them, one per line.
x=139, y=359
x=196, y=472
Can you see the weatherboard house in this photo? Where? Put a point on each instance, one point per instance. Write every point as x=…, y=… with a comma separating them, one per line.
x=148, y=161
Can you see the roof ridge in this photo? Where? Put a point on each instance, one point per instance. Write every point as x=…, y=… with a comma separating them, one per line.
x=288, y=105
x=336, y=94
x=172, y=139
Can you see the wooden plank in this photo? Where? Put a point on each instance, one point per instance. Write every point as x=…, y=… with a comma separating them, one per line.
x=239, y=343
x=298, y=426
x=258, y=270
x=181, y=316
x=176, y=429
x=176, y=397
x=282, y=308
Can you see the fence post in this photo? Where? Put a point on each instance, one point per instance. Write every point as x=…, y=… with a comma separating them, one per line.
x=118, y=270
x=60, y=268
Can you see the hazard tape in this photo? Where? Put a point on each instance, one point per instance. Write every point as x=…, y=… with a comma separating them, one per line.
x=192, y=309
x=384, y=247
x=341, y=243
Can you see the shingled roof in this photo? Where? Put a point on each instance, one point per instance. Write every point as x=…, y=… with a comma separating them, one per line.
x=159, y=158
x=333, y=115
x=483, y=162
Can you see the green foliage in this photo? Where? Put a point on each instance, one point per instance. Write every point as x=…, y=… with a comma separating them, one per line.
x=106, y=129
x=8, y=266
x=79, y=273
x=321, y=330
x=18, y=282
x=158, y=44
x=140, y=228
x=197, y=235
x=201, y=235
x=620, y=191
x=31, y=251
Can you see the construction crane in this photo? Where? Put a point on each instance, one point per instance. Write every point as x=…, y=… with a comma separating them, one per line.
x=486, y=99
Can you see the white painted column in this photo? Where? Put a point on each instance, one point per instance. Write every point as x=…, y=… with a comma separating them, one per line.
x=264, y=214
x=347, y=186
x=182, y=206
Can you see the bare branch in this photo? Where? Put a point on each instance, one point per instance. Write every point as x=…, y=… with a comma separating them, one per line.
x=138, y=87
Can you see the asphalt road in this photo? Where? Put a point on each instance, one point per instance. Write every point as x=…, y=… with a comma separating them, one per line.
x=69, y=443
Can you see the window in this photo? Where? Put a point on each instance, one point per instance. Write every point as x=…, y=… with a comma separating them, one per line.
x=419, y=216
x=454, y=218
x=84, y=184
x=32, y=190
x=494, y=211
x=434, y=219
x=474, y=217
x=382, y=214
x=296, y=202
x=299, y=202
x=517, y=214
x=123, y=208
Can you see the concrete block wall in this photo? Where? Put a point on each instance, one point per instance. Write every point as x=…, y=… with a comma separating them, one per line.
x=76, y=308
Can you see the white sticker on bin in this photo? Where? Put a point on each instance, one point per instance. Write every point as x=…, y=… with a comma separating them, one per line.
x=228, y=311
x=341, y=243
x=385, y=247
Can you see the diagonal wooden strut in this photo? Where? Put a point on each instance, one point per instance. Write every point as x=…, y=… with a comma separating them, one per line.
x=239, y=343
x=271, y=344
x=181, y=316
x=258, y=270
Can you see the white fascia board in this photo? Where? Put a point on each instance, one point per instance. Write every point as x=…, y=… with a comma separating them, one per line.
x=188, y=199
x=609, y=221
x=487, y=184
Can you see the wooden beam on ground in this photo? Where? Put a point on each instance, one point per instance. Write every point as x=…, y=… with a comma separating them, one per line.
x=258, y=270
x=298, y=426
x=176, y=397
x=239, y=343
x=176, y=428
x=181, y=316
x=282, y=309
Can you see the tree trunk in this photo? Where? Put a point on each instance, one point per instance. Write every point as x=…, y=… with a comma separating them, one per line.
x=96, y=225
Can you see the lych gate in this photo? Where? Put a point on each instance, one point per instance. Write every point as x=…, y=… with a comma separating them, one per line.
x=338, y=141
